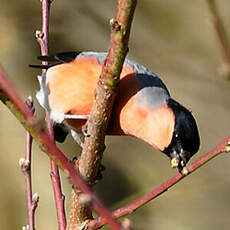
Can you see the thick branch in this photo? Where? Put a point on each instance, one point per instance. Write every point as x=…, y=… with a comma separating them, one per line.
x=10, y=97
x=106, y=91
x=224, y=146
x=105, y=95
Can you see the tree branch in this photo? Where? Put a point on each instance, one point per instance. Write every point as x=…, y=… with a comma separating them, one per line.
x=105, y=92
x=224, y=146
x=25, y=165
x=221, y=33
x=43, y=40
x=43, y=36
x=10, y=97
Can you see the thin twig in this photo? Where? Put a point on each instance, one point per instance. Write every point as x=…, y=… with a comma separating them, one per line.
x=43, y=36
x=43, y=40
x=27, y=174
x=224, y=146
x=56, y=182
x=11, y=98
x=105, y=92
x=220, y=31
x=25, y=164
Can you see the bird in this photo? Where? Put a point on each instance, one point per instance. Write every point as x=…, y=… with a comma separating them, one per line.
x=143, y=107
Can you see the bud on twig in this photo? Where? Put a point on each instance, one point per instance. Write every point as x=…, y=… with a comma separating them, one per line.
x=24, y=164
x=228, y=147
x=26, y=227
x=126, y=224
x=35, y=199
x=39, y=34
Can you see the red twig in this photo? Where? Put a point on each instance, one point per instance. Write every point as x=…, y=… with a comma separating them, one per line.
x=220, y=31
x=56, y=182
x=224, y=146
x=14, y=96
x=43, y=36
x=43, y=40
x=10, y=97
x=27, y=174
x=25, y=164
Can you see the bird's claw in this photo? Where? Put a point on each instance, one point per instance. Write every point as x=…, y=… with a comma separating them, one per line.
x=85, y=131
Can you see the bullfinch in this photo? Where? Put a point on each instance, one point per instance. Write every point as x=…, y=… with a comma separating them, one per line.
x=143, y=107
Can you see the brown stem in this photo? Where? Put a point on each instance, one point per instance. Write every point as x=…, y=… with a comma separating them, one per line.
x=220, y=30
x=105, y=92
x=10, y=97
x=224, y=146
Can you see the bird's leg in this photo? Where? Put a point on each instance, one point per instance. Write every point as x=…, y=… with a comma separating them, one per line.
x=78, y=137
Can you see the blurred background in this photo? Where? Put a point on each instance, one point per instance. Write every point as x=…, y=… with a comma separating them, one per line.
x=176, y=40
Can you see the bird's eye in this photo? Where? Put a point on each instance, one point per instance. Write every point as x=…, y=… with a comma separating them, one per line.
x=177, y=136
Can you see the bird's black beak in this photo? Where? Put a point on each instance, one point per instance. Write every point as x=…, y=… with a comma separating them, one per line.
x=179, y=160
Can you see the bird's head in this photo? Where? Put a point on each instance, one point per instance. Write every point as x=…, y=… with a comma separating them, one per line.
x=185, y=140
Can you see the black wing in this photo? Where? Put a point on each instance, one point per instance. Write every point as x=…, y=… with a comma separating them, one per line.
x=59, y=58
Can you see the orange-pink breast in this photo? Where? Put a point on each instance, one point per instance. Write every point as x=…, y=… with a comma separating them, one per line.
x=154, y=126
